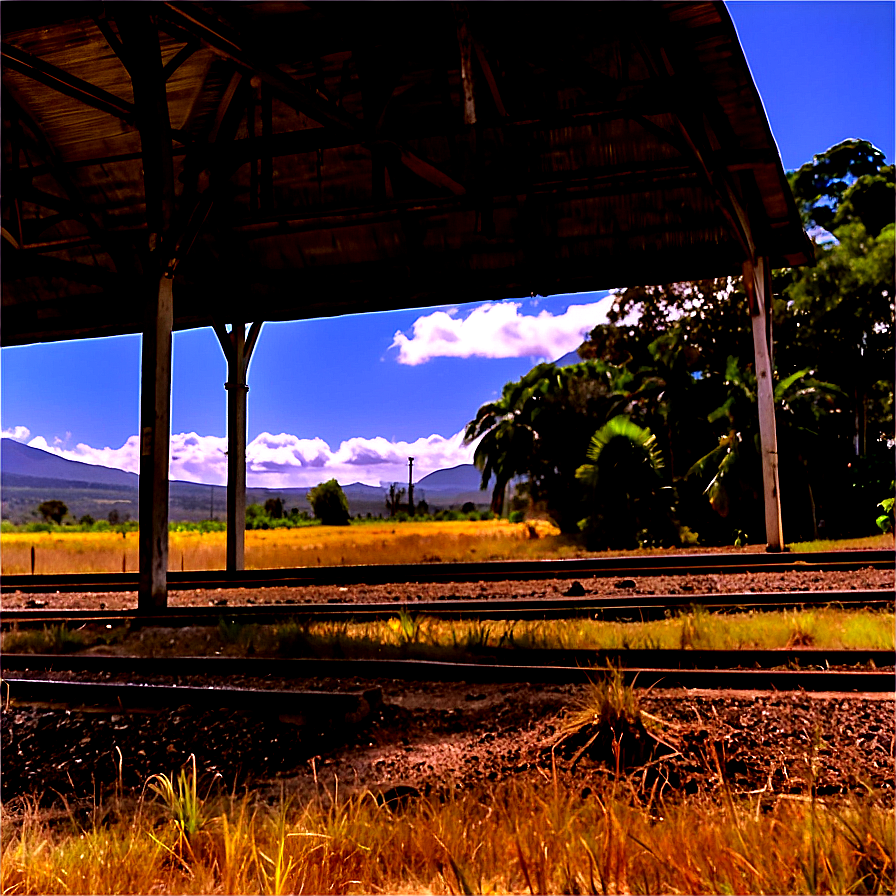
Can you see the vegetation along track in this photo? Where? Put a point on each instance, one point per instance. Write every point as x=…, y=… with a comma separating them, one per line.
x=638, y=607
x=520, y=570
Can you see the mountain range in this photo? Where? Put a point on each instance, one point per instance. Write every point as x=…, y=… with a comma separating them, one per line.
x=29, y=476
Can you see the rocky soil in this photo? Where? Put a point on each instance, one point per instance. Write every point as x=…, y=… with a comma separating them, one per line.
x=429, y=738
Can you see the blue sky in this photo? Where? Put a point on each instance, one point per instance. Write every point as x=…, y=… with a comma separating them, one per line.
x=825, y=71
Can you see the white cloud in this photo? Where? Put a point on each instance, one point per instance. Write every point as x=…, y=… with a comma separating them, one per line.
x=284, y=460
x=19, y=433
x=498, y=330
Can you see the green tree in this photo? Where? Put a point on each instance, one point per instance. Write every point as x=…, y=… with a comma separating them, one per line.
x=393, y=498
x=622, y=479
x=52, y=511
x=539, y=429
x=273, y=507
x=256, y=518
x=329, y=503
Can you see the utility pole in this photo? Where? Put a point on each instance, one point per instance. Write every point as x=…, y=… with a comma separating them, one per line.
x=410, y=486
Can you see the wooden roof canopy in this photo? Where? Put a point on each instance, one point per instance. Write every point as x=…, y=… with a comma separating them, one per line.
x=286, y=160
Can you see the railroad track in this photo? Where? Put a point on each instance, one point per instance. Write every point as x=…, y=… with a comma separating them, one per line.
x=299, y=706
x=505, y=570
x=696, y=669
x=638, y=606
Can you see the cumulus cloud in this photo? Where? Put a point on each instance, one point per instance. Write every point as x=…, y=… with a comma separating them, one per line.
x=19, y=433
x=499, y=330
x=283, y=460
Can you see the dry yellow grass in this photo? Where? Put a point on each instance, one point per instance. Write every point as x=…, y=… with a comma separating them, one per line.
x=434, y=542
x=517, y=838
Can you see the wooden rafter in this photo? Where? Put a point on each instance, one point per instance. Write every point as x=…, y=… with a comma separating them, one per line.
x=78, y=206
x=62, y=82
x=309, y=102
x=141, y=41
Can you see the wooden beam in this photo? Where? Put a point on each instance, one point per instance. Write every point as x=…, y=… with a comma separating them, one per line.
x=155, y=434
x=227, y=43
x=465, y=45
x=179, y=58
x=490, y=79
x=112, y=38
x=140, y=38
x=62, y=82
x=757, y=282
x=79, y=207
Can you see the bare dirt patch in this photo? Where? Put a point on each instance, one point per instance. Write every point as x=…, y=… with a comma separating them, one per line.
x=433, y=738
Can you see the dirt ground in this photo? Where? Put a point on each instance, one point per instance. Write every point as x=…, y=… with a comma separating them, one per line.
x=429, y=738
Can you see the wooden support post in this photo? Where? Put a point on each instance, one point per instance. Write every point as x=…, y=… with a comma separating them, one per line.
x=155, y=425
x=236, y=451
x=140, y=45
x=757, y=282
x=238, y=351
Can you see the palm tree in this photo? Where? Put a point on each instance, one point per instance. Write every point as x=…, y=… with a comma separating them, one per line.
x=733, y=467
x=507, y=434
x=540, y=428
x=623, y=479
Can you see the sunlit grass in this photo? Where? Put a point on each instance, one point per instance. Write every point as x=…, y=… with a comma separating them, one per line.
x=870, y=543
x=517, y=837
x=428, y=637
x=409, y=542
x=359, y=544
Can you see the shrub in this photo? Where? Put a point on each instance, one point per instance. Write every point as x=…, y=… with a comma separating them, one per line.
x=52, y=511
x=329, y=503
x=516, y=516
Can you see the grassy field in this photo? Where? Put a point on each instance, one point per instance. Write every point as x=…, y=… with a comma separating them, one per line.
x=518, y=837
x=430, y=542
x=409, y=542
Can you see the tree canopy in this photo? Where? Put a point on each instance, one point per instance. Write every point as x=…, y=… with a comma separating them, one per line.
x=676, y=362
x=329, y=503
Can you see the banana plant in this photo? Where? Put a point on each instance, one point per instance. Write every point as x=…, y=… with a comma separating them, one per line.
x=733, y=466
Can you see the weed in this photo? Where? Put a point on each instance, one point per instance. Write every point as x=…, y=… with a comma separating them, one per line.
x=181, y=796
x=694, y=628
x=609, y=726
x=52, y=639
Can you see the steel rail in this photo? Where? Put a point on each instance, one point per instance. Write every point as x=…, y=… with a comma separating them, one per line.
x=629, y=566
x=479, y=673
x=638, y=658
x=298, y=704
x=637, y=606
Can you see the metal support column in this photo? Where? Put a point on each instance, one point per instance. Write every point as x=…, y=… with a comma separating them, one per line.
x=155, y=425
x=237, y=347
x=757, y=282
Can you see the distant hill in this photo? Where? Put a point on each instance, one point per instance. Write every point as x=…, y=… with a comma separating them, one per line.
x=26, y=461
x=29, y=476
x=463, y=478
